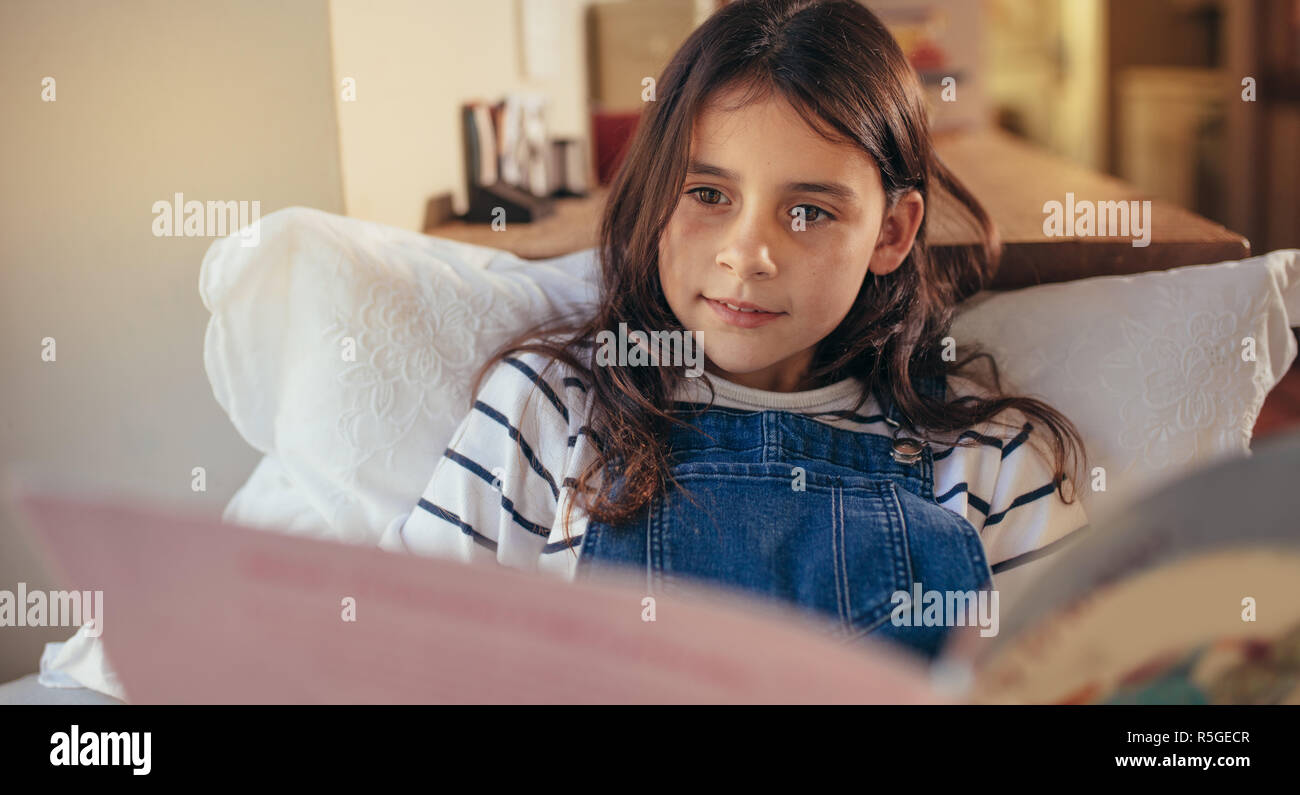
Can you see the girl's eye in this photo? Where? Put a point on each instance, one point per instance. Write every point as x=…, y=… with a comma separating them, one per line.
x=814, y=214
x=699, y=193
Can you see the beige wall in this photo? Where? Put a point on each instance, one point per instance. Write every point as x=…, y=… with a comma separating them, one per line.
x=227, y=101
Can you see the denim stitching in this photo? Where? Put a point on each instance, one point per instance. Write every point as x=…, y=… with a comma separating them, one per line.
x=907, y=552
x=835, y=557
x=844, y=566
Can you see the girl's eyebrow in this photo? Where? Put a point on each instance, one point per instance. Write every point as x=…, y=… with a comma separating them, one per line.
x=833, y=189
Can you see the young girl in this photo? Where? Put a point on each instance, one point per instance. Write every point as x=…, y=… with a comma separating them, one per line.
x=773, y=201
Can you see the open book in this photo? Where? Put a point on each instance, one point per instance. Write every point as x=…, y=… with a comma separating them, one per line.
x=1147, y=609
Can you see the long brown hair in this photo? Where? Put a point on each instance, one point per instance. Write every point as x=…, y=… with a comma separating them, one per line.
x=838, y=65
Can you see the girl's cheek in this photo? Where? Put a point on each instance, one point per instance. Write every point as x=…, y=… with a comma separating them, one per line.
x=683, y=247
x=686, y=228
x=671, y=261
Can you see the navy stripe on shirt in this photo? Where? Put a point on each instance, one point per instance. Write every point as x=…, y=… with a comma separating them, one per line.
x=560, y=546
x=523, y=444
x=506, y=503
x=971, y=499
x=1023, y=499
x=991, y=441
x=983, y=507
x=586, y=429
x=1017, y=441
x=446, y=515
x=953, y=492
x=542, y=385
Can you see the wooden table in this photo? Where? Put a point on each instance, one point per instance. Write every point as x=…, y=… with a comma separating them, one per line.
x=1012, y=179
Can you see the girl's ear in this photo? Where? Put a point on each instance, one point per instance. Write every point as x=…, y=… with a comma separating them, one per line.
x=897, y=231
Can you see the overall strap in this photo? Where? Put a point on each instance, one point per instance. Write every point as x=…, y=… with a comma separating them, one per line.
x=905, y=448
x=934, y=387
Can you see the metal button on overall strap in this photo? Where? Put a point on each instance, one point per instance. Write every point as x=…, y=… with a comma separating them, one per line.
x=905, y=449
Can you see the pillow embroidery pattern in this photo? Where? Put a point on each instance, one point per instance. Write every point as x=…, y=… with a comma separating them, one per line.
x=1164, y=378
x=408, y=351
x=1183, y=367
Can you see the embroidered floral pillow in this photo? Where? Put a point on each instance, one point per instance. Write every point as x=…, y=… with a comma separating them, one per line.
x=1162, y=372
x=344, y=350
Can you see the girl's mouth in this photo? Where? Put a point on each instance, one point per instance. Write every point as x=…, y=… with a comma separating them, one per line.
x=740, y=318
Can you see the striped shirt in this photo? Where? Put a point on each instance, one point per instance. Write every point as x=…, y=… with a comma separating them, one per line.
x=501, y=488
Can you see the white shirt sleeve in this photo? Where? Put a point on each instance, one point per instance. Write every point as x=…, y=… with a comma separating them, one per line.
x=1029, y=524
x=1004, y=486
x=494, y=493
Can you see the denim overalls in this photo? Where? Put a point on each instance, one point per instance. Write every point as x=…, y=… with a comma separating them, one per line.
x=864, y=525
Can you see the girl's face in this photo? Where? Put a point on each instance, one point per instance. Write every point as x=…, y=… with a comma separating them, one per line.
x=773, y=215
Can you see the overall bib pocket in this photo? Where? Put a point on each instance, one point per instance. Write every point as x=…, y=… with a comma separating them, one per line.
x=826, y=542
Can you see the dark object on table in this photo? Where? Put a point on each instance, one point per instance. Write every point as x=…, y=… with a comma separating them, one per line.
x=519, y=206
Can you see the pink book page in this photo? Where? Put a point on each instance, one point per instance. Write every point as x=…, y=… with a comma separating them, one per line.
x=199, y=611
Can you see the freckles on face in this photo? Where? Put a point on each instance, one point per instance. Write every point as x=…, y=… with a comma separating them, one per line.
x=774, y=215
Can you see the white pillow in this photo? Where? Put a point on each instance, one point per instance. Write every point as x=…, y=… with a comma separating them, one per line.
x=358, y=439
x=1148, y=367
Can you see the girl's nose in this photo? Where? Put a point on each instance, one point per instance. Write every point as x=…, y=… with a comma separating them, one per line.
x=747, y=253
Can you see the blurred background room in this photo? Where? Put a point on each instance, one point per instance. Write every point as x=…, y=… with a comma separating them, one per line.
x=424, y=114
